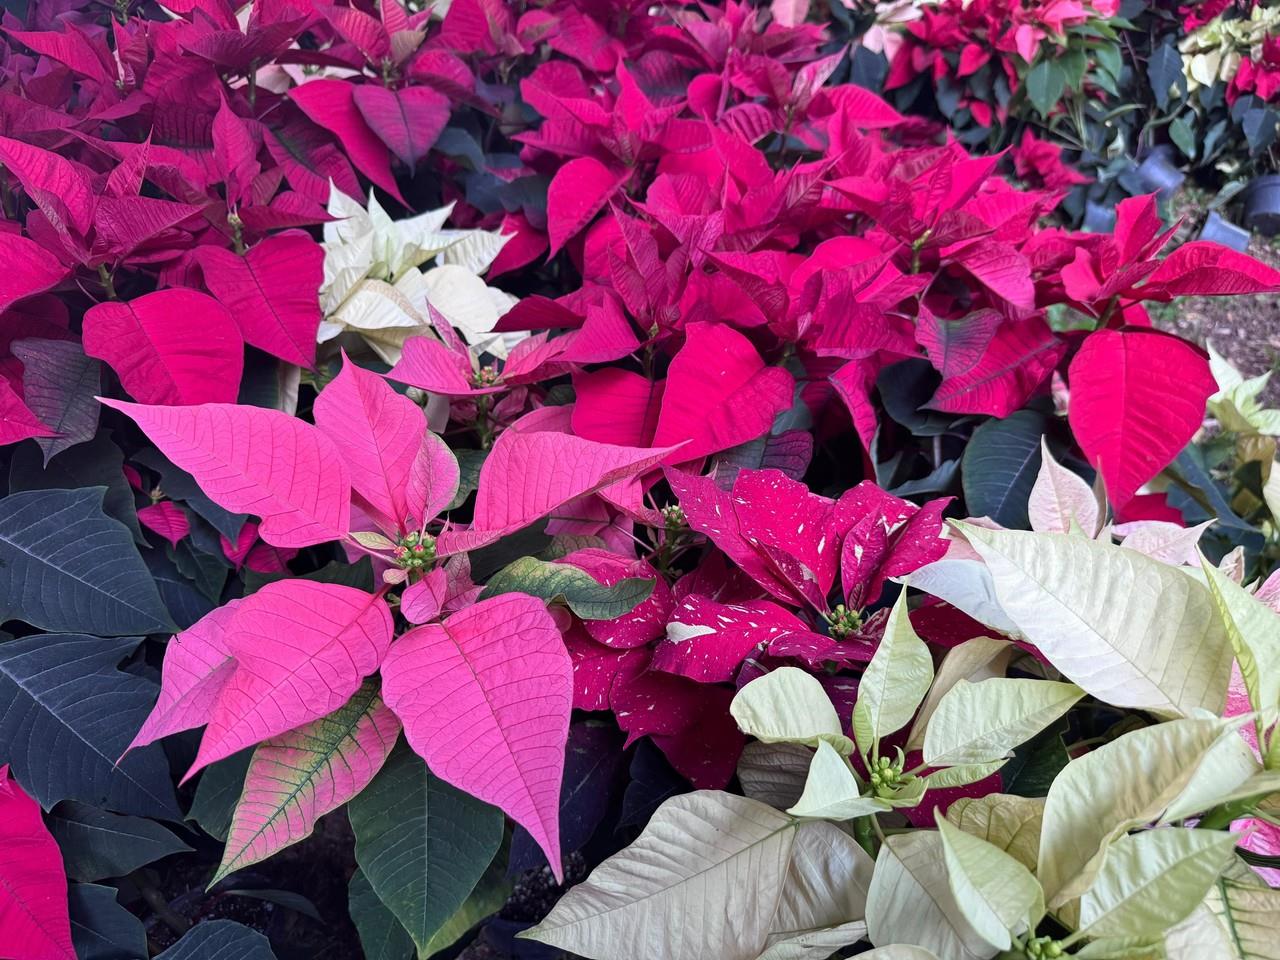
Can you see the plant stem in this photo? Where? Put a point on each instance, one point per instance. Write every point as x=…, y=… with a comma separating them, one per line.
x=108, y=284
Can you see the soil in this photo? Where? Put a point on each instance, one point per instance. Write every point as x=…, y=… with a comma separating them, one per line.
x=317, y=868
x=1246, y=330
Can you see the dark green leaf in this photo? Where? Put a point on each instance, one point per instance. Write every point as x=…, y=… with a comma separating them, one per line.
x=60, y=385
x=269, y=383
x=358, y=575
x=1035, y=764
x=1045, y=84
x=1199, y=485
x=592, y=757
x=381, y=935
x=528, y=542
x=1183, y=137
x=177, y=484
x=1109, y=59
x=469, y=464
x=1164, y=70
x=938, y=481
x=493, y=890
x=66, y=716
x=283, y=898
x=101, y=929
x=184, y=602
x=217, y=793
x=422, y=843
x=905, y=387
x=585, y=596
x=207, y=572
x=999, y=467
x=1074, y=63
x=98, y=463
x=1260, y=128
x=220, y=940
x=66, y=565
x=96, y=844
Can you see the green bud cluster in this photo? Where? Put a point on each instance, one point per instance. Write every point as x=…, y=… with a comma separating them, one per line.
x=486, y=376
x=674, y=517
x=1044, y=948
x=843, y=622
x=887, y=777
x=415, y=551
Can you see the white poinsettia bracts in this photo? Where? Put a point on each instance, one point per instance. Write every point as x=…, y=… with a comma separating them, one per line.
x=374, y=284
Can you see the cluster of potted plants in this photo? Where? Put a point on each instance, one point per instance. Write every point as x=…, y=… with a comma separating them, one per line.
x=587, y=478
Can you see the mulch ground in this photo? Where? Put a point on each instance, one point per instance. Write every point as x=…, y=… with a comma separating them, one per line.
x=1245, y=330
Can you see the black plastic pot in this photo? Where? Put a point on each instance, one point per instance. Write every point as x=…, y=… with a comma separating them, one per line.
x=1224, y=232
x=1262, y=205
x=1159, y=175
x=1099, y=218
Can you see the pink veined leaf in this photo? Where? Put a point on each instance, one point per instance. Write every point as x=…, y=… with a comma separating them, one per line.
x=422, y=601
x=789, y=13
x=72, y=48
x=236, y=552
x=310, y=161
x=407, y=120
x=197, y=665
x=1017, y=360
x=272, y=291
x=29, y=269
x=890, y=537
x=861, y=109
x=998, y=266
x=529, y=474
x=956, y=346
x=264, y=558
x=597, y=668
x=1204, y=268
x=656, y=703
x=17, y=422
x=367, y=34
x=55, y=184
x=169, y=347
x=711, y=511
x=34, y=924
x=433, y=479
x=579, y=190
x=707, y=641
x=428, y=364
x=378, y=432
x=617, y=406
x=123, y=225
x=854, y=382
x=394, y=19
x=706, y=752
x=1137, y=398
x=301, y=651
x=485, y=699
x=719, y=393
x=166, y=519
x=252, y=460
x=295, y=779
x=331, y=104
x=234, y=154
x=44, y=316
x=796, y=531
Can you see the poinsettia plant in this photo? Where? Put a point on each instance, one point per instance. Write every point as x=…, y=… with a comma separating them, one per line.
x=443, y=448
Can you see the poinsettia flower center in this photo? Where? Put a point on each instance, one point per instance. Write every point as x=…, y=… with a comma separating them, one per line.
x=415, y=551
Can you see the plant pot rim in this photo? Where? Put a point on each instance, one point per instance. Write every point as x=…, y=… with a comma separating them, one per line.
x=1265, y=180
